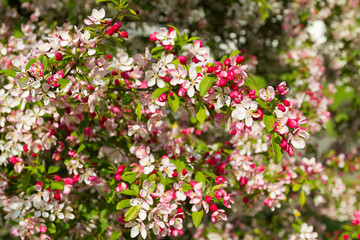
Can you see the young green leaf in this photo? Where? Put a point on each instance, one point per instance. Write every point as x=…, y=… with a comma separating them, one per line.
x=53, y=169
x=275, y=144
x=302, y=198
x=174, y=102
x=197, y=217
x=123, y=204
x=205, y=84
x=138, y=110
x=200, y=112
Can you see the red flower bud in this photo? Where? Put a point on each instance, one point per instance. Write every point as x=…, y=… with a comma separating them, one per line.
x=58, y=56
x=240, y=59
x=213, y=207
x=162, y=98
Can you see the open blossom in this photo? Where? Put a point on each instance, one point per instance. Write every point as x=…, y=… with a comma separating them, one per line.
x=268, y=94
x=166, y=37
x=307, y=232
x=194, y=82
x=96, y=17
x=246, y=110
x=136, y=228
x=297, y=138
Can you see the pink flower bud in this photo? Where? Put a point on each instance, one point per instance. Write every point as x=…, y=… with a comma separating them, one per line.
x=292, y=123
x=57, y=178
x=117, y=176
x=282, y=89
x=252, y=94
x=124, y=34
x=227, y=62
x=162, y=98
x=91, y=88
x=261, y=168
x=243, y=181
x=230, y=76
x=240, y=59
x=220, y=180
x=169, y=47
x=25, y=148
x=207, y=199
x=58, y=56
x=234, y=94
x=175, y=174
x=221, y=83
x=152, y=37
x=110, y=32
x=281, y=107
x=286, y=103
x=284, y=144
x=213, y=207
x=290, y=151
x=116, y=26
x=182, y=59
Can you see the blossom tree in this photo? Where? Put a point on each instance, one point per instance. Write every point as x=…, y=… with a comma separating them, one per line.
x=98, y=142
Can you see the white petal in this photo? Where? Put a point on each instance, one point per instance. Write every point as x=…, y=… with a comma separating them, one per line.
x=134, y=231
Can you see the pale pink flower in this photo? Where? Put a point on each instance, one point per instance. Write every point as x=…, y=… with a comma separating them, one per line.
x=297, y=138
x=96, y=17
x=218, y=215
x=268, y=94
x=246, y=110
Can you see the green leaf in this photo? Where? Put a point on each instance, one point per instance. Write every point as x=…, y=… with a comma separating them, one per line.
x=56, y=186
x=31, y=62
x=155, y=49
x=234, y=53
x=26, y=180
x=131, y=213
x=63, y=83
x=51, y=227
x=296, y=187
x=53, y=169
x=269, y=121
x=199, y=177
x=123, y=204
x=302, y=198
x=205, y=84
x=275, y=144
x=115, y=235
x=200, y=112
x=138, y=110
x=43, y=59
x=81, y=148
x=174, y=102
x=129, y=177
x=197, y=217
x=159, y=91
x=127, y=192
x=9, y=72
x=135, y=189
x=210, y=174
